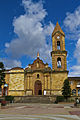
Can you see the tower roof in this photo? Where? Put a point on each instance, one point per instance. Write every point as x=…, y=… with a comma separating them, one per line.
x=57, y=29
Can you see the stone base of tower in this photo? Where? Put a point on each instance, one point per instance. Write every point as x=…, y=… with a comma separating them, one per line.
x=57, y=81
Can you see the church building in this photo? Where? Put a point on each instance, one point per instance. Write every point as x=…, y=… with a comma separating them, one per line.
x=38, y=78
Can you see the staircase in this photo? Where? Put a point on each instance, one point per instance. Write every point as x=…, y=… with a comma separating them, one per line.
x=34, y=99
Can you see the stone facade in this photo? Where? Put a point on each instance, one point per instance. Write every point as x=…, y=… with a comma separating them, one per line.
x=15, y=79
x=75, y=85
x=37, y=73
x=38, y=78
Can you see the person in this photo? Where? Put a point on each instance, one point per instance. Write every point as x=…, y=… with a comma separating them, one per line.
x=77, y=102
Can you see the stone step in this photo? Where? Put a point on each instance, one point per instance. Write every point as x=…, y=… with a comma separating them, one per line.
x=34, y=99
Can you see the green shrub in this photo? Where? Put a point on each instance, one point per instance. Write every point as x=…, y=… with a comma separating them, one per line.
x=66, y=89
x=60, y=99
x=9, y=98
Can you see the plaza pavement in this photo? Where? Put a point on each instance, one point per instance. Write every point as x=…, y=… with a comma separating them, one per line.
x=37, y=111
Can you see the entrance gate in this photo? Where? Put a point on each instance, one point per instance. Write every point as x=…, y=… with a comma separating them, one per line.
x=38, y=88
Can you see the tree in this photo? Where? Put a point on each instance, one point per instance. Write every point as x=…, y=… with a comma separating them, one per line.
x=2, y=74
x=66, y=89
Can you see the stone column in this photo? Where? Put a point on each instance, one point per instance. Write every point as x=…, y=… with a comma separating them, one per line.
x=31, y=87
x=51, y=82
x=65, y=64
x=48, y=82
x=25, y=83
x=31, y=84
x=28, y=82
x=76, y=92
x=45, y=84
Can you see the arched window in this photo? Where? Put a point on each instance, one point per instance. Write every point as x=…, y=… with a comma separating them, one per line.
x=37, y=75
x=59, y=62
x=58, y=45
x=74, y=92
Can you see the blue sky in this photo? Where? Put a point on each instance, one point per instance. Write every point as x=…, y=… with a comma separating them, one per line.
x=26, y=27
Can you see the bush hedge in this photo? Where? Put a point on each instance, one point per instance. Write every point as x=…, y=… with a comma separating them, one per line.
x=59, y=99
x=9, y=98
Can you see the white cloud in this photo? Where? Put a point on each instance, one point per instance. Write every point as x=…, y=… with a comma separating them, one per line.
x=75, y=71
x=6, y=45
x=72, y=25
x=72, y=20
x=31, y=31
x=77, y=51
x=9, y=63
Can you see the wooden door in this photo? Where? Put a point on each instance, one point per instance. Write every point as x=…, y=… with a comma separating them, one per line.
x=38, y=88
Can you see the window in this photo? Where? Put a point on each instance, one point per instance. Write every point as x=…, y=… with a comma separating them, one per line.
x=37, y=75
x=78, y=83
x=59, y=62
x=58, y=45
x=78, y=92
x=74, y=92
x=71, y=82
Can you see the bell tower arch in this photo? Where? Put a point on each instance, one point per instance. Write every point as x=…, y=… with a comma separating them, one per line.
x=58, y=50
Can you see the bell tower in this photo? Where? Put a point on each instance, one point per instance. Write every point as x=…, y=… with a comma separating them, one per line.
x=58, y=50
x=59, y=65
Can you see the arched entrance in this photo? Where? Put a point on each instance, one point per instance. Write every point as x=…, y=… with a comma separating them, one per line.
x=38, y=88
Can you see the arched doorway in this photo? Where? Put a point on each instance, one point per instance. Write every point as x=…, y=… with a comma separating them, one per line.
x=38, y=88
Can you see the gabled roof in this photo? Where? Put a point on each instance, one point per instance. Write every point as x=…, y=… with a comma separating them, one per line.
x=13, y=69
x=57, y=29
x=17, y=68
x=38, y=65
x=33, y=65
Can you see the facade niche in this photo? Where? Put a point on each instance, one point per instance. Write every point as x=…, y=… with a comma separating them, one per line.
x=37, y=75
x=59, y=62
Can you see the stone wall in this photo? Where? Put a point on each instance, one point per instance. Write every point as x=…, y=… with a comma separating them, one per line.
x=15, y=80
x=16, y=92
x=57, y=82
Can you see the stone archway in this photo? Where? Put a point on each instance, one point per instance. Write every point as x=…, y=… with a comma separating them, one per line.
x=38, y=88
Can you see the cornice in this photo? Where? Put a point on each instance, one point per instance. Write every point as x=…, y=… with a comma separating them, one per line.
x=59, y=52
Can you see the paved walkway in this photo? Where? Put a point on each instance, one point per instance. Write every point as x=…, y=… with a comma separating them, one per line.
x=39, y=117
x=39, y=112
